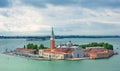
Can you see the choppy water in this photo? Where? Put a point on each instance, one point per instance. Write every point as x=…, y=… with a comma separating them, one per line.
x=11, y=63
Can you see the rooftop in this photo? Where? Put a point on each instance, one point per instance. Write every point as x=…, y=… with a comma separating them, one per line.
x=60, y=50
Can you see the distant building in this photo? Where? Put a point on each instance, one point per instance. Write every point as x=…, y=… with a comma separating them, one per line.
x=61, y=51
x=25, y=50
x=98, y=52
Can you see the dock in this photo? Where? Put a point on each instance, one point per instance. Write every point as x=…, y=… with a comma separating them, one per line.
x=84, y=58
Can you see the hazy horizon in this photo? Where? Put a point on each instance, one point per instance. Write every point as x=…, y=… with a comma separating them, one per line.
x=55, y=35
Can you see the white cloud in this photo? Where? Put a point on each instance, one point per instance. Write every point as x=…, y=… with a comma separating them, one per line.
x=21, y=18
x=80, y=14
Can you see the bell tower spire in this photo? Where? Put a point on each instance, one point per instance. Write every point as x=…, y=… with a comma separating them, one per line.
x=52, y=40
x=52, y=33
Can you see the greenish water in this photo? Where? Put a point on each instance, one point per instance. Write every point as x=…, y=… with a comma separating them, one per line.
x=11, y=63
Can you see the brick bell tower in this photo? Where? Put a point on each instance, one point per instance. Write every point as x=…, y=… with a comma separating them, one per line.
x=52, y=40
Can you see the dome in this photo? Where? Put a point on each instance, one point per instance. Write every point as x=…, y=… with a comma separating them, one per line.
x=69, y=44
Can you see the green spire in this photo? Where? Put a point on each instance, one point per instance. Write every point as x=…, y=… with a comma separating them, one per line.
x=52, y=32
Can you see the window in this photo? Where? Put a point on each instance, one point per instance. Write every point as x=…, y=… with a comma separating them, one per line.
x=66, y=56
x=77, y=55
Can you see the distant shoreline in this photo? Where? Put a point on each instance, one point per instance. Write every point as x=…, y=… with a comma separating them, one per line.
x=57, y=37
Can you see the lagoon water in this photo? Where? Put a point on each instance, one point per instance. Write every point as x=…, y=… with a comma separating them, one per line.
x=12, y=63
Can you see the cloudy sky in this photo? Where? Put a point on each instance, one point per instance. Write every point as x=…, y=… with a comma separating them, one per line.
x=68, y=17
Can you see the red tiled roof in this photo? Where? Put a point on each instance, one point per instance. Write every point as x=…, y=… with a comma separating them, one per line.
x=60, y=50
x=47, y=50
x=95, y=51
x=24, y=50
x=65, y=50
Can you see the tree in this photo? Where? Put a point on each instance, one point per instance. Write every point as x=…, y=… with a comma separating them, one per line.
x=35, y=46
x=76, y=45
x=102, y=44
x=83, y=46
x=94, y=44
x=41, y=46
x=110, y=47
x=30, y=46
x=24, y=46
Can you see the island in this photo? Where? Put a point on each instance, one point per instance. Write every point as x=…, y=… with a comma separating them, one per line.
x=67, y=51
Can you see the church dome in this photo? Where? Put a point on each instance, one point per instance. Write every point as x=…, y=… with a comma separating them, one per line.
x=69, y=44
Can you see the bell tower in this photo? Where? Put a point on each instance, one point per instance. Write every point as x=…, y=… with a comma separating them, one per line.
x=52, y=40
